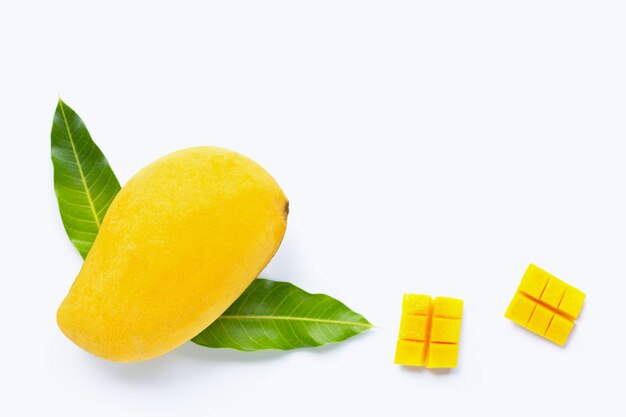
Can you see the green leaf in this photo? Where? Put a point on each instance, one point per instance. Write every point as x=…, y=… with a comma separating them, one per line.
x=279, y=315
x=84, y=182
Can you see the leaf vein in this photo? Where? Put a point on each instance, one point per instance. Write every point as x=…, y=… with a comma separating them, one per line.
x=80, y=168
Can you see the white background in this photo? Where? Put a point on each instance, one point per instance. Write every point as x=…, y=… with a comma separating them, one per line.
x=433, y=147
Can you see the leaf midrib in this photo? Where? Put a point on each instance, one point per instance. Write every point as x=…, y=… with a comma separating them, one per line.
x=80, y=167
x=288, y=318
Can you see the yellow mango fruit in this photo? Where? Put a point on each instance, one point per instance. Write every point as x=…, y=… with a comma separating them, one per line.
x=179, y=244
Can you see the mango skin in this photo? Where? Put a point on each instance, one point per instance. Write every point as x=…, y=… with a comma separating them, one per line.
x=179, y=244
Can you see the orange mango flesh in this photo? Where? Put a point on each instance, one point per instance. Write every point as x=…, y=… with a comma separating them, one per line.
x=429, y=331
x=545, y=305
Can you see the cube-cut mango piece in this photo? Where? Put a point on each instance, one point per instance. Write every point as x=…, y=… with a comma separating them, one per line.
x=572, y=302
x=410, y=352
x=429, y=331
x=413, y=327
x=448, y=307
x=540, y=320
x=553, y=293
x=545, y=305
x=520, y=309
x=442, y=355
x=445, y=330
x=534, y=281
x=417, y=304
x=559, y=330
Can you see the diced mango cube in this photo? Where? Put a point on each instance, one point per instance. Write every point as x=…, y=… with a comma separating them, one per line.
x=559, y=330
x=572, y=302
x=539, y=320
x=534, y=281
x=445, y=330
x=553, y=292
x=410, y=353
x=417, y=304
x=442, y=355
x=448, y=307
x=413, y=327
x=545, y=305
x=520, y=309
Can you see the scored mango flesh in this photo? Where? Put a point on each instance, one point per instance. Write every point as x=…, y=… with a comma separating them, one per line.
x=430, y=331
x=545, y=305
